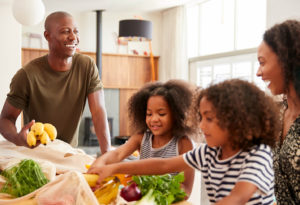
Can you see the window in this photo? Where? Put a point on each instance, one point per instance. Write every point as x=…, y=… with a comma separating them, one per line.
x=222, y=40
x=216, y=26
x=207, y=71
x=250, y=23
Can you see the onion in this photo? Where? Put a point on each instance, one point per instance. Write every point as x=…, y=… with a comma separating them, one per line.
x=131, y=192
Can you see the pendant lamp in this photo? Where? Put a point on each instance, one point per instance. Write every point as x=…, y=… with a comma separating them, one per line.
x=28, y=12
x=138, y=30
x=131, y=28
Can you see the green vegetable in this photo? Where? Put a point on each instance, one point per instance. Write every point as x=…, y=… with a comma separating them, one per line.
x=148, y=199
x=23, y=178
x=166, y=189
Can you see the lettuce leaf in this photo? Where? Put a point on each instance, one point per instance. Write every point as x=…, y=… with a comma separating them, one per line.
x=24, y=178
x=166, y=188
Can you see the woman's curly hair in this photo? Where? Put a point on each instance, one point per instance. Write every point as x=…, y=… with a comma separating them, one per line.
x=250, y=116
x=283, y=39
x=177, y=93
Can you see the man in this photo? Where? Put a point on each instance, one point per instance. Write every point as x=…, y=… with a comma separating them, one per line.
x=54, y=88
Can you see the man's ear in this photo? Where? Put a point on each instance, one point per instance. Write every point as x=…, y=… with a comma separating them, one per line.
x=46, y=35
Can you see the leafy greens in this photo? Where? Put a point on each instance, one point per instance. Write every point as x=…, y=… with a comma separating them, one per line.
x=23, y=178
x=166, y=188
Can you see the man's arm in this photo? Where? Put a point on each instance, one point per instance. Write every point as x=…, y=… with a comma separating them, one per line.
x=8, y=128
x=99, y=117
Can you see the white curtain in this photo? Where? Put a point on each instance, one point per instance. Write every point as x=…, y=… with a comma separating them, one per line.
x=174, y=61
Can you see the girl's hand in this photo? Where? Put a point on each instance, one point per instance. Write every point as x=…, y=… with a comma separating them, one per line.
x=102, y=171
x=97, y=163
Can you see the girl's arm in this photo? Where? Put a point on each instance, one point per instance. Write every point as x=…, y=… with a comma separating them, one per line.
x=120, y=153
x=184, y=146
x=152, y=166
x=240, y=194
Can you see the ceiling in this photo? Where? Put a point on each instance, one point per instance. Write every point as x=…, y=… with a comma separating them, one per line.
x=112, y=5
x=109, y=5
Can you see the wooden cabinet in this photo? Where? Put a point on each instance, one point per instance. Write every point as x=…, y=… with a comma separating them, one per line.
x=124, y=72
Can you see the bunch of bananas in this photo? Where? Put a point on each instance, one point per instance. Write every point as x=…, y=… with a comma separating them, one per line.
x=91, y=179
x=42, y=132
x=108, y=190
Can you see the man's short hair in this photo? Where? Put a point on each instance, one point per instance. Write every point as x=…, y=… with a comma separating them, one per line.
x=55, y=16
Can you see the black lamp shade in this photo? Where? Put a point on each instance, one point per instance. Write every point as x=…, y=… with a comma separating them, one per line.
x=135, y=28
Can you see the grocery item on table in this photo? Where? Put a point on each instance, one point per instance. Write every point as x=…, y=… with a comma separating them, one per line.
x=91, y=179
x=131, y=192
x=157, y=189
x=125, y=179
x=108, y=190
x=23, y=178
x=166, y=188
x=41, y=132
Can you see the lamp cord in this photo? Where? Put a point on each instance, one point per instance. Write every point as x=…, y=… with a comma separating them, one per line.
x=153, y=74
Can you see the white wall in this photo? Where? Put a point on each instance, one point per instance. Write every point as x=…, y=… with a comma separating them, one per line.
x=280, y=10
x=110, y=24
x=39, y=29
x=110, y=30
x=10, y=52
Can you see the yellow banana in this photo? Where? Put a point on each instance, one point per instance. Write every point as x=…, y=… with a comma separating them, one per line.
x=44, y=138
x=38, y=137
x=109, y=195
x=108, y=192
x=51, y=130
x=31, y=140
x=37, y=128
x=91, y=179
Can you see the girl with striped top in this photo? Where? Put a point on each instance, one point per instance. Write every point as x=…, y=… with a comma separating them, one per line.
x=240, y=124
x=158, y=114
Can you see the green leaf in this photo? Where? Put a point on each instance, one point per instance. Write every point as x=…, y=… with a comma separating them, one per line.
x=23, y=178
x=166, y=187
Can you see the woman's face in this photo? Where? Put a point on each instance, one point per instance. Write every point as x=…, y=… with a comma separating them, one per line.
x=269, y=69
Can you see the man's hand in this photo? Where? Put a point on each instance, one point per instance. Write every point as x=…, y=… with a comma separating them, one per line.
x=8, y=117
x=21, y=138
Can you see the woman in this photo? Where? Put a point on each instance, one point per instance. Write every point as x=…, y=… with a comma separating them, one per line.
x=279, y=59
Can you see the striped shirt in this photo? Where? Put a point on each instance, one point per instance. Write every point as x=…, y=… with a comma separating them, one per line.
x=220, y=176
x=168, y=150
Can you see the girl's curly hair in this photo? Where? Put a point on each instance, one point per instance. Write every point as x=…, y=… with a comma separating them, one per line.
x=177, y=93
x=283, y=39
x=250, y=116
